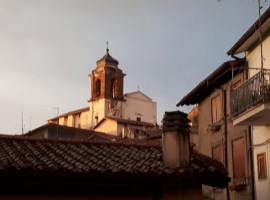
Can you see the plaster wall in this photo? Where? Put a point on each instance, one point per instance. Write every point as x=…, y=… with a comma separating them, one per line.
x=208, y=138
x=97, y=109
x=61, y=121
x=138, y=106
x=109, y=127
x=77, y=119
x=70, y=121
x=260, y=135
x=253, y=56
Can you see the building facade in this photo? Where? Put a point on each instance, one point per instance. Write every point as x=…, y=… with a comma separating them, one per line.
x=109, y=101
x=251, y=100
x=213, y=132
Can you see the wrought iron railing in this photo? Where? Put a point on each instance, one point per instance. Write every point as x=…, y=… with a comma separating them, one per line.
x=252, y=92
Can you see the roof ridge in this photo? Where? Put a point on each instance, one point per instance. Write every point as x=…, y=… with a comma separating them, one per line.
x=124, y=142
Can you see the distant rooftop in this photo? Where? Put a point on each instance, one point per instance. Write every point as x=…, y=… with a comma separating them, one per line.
x=20, y=156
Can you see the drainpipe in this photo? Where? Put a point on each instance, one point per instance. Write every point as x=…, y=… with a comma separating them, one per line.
x=251, y=163
x=226, y=138
x=250, y=150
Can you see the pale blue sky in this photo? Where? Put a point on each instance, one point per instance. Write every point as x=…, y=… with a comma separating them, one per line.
x=48, y=48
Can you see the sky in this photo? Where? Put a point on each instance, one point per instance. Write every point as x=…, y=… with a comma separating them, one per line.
x=166, y=48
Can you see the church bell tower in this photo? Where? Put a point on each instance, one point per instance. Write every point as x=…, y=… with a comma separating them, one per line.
x=107, y=84
x=107, y=80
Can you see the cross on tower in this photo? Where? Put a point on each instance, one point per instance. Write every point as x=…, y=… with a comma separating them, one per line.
x=107, y=44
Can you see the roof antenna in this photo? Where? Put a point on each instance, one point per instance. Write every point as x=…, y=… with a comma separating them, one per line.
x=107, y=44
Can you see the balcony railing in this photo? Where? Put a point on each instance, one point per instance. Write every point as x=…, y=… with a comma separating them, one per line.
x=252, y=92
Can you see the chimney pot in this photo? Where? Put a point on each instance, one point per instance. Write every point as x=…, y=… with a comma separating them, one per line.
x=175, y=140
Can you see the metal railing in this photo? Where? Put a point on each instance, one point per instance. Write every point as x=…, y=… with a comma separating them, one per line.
x=252, y=92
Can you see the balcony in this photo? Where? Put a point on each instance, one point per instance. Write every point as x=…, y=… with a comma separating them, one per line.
x=250, y=102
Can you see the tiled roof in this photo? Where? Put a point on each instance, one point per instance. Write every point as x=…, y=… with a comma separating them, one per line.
x=20, y=154
x=125, y=121
x=131, y=122
x=78, y=111
x=108, y=58
x=58, y=130
x=220, y=76
x=153, y=132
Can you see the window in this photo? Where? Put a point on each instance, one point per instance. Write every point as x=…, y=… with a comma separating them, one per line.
x=98, y=88
x=216, y=109
x=114, y=91
x=216, y=153
x=235, y=85
x=238, y=151
x=138, y=119
x=261, y=163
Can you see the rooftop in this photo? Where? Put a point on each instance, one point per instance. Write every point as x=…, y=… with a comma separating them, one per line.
x=220, y=76
x=25, y=157
x=252, y=35
x=108, y=58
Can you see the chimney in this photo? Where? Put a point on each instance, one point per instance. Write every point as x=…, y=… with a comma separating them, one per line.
x=175, y=140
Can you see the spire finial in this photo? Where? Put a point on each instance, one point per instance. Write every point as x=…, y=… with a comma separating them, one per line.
x=107, y=44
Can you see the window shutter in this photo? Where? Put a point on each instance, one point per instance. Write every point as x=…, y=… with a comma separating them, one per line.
x=239, y=158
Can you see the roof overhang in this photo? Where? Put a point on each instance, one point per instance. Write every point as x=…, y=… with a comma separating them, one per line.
x=74, y=112
x=220, y=76
x=252, y=35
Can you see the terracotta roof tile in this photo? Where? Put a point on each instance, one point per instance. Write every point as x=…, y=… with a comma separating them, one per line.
x=20, y=153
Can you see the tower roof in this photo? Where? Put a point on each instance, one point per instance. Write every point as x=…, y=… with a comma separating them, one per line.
x=108, y=58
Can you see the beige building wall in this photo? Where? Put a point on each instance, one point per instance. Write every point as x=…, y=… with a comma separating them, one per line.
x=84, y=120
x=260, y=134
x=139, y=105
x=212, y=135
x=77, y=120
x=97, y=111
x=253, y=57
x=135, y=105
x=108, y=126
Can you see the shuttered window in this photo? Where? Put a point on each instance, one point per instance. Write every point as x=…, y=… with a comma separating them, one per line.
x=239, y=152
x=216, y=153
x=261, y=163
x=216, y=108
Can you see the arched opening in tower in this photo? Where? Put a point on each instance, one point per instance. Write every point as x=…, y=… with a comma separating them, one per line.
x=98, y=88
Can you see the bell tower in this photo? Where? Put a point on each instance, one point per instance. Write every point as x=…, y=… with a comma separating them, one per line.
x=107, y=84
x=107, y=80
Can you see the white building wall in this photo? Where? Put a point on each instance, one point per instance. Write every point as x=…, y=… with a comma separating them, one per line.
x=85, y=120
x=109, y=127
x=97, y=109
x=260, y=134
x=253, y=57
x=139, y=106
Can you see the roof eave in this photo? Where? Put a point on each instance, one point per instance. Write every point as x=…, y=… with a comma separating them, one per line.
x=205, y=83
x=236, y=47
